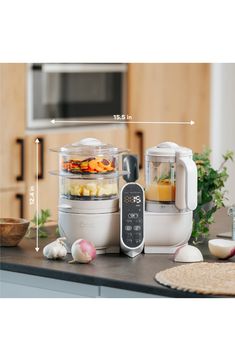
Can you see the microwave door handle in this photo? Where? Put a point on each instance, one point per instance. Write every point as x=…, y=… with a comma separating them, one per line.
x=84, y=68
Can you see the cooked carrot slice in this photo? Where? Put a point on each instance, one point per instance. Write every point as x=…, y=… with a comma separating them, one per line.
x=93, y=164
x=99, y=169
x=101, y=165
x=108, y=168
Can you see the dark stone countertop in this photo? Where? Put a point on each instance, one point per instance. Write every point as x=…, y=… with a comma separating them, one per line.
x=118, y=271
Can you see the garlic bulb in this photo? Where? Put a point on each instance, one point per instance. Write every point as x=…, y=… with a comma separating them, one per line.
x=56, y=249
x=188, y=254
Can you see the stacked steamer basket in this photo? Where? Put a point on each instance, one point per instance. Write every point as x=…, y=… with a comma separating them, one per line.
x=89, y=193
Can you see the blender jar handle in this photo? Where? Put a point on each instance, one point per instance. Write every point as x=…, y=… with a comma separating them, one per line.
x=186, y=184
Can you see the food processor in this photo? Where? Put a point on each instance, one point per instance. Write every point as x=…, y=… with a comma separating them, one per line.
x=170, y=197
x=89, y=173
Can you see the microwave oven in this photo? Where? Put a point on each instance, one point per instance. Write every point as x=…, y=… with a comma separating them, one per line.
x=75, y=94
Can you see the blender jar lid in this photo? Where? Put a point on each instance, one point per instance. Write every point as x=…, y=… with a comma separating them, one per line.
x=90, y=146
x=167, y=149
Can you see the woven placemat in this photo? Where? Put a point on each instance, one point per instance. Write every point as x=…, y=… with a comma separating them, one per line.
x=203, y=278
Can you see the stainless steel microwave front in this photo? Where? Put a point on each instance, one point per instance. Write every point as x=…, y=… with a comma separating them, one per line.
x=75, y=94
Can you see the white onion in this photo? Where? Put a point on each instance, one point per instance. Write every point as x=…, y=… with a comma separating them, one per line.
x=222, y=248
x=83, y=251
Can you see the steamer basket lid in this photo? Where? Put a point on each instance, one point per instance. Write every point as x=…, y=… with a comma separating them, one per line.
x=91, y=146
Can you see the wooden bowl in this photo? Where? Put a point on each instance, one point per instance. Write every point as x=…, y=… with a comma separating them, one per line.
x=12, y=230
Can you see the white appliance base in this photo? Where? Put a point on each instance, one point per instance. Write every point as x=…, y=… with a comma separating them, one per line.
x=164, y=232
x=108, y=250
x=161, y=250
x=102, y=229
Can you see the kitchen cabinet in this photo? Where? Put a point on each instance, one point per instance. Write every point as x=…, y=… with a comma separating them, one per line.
x=12, y=145
x=12, y=202
x=168, y=92
x=14, y=284
x=110, y=292
x=12, y=118
x=48, y=161
x=18, y=285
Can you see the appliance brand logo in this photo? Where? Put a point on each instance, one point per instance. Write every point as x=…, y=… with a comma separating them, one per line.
x=85, y=224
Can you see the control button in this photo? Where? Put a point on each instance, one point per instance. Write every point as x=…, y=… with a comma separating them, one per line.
x=128, y=228
x=133, y=215
x=129, y=240
x=137, y=228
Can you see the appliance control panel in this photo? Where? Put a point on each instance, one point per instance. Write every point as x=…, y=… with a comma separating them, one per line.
x=132, y=219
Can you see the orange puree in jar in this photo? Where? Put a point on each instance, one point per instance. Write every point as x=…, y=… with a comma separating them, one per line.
x=162, y=191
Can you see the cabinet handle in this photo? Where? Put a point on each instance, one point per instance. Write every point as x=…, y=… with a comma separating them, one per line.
x=20, y=196
x=36, y=67
x=20, y=177
x=140, y=136
x=41, y=158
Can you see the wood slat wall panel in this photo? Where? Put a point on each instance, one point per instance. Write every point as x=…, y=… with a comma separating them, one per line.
x=169, y=92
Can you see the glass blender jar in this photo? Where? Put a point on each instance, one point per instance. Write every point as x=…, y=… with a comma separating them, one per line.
x=171, y=197
x=160, y=172
x=171, y=178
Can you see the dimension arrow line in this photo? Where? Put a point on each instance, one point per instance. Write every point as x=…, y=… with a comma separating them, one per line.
x=53, y=121
x=37, y=206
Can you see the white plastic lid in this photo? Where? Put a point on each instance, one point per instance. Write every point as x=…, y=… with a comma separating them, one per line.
x=88, y=146
x=167, y=149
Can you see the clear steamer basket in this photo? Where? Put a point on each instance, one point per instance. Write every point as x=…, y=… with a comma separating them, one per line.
x=89, y=170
